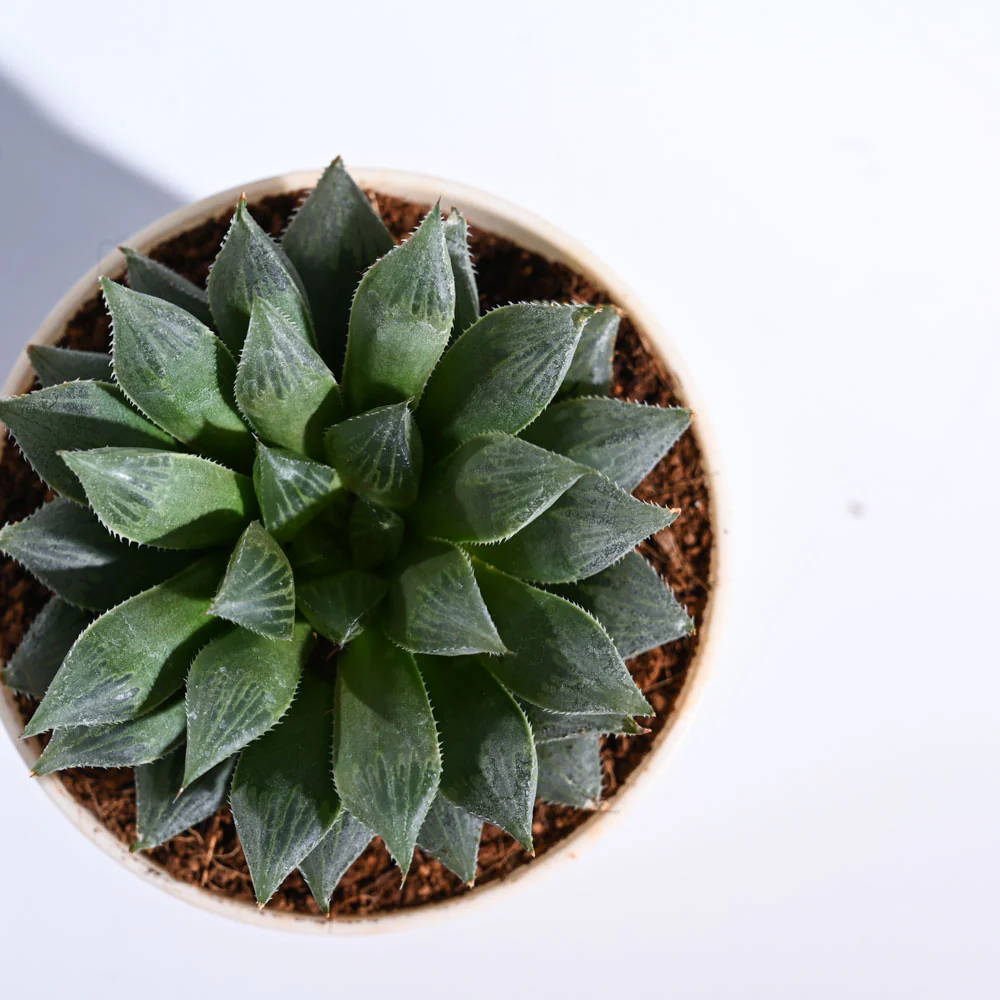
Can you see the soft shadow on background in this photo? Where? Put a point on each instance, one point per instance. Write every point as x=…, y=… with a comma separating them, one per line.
x=67, y=205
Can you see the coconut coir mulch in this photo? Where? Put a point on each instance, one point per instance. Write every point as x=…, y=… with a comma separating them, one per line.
x=210, y=855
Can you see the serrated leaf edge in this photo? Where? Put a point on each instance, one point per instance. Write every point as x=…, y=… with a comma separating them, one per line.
x=277, y=721
x=114, y=372
x=87, y=628
x=596, y=621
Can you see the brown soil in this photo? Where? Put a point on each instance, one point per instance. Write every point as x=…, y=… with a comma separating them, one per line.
x=210, y=855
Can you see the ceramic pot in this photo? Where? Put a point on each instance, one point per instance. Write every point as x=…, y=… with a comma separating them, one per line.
x=483, y=212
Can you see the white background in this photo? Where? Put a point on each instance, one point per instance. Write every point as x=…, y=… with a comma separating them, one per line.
x=807, y=195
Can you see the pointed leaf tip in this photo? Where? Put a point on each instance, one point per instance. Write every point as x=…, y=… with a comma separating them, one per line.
x=251, y=264
x=55, y=365
x=75, y=416
x=329, y=860
x=283, y=781
x=124, y=744
x=634, y=605
x=400, y=321
x=283, y=386
x=588, y=528
x=569, y=772
x=133, y=657
x=239, y=686
x=546, y=726
x=164, y=809
x=456, y=234
x=44, y=647
x=291, y=490
x=258, y=591
x=174, y=369
x=562, y=658
x=379, y=454
x=452, y=835
x=375, y=534
x=591, y=370
x=169, y=499
x=488, y=756
x=490, y=488
x=66, y=547
x=501, y=373
x=339, y=604
x=621, y=440
x=435, y=606
x=386, y=759
x=334, y=237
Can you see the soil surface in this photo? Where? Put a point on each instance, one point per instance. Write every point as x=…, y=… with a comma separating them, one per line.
x=210, y=855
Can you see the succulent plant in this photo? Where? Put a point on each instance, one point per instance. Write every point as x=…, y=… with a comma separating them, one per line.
x=330, y=440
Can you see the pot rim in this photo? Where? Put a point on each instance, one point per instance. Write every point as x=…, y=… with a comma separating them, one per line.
x=487, y=212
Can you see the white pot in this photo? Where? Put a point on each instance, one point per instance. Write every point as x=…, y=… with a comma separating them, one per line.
x=486, y=213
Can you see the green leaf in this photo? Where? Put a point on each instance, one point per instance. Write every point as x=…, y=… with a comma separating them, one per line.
x=67, y=548
x=375, y=534
x=318, y=550
x=456, y=235
x=593, y=524
x=133, y=657
x=162, y=810
x=176, y=371
x=54, y=365
x=562, y=658
x=501, y=373
x=325, y=865
x=400, y=320
x=251, y=264
x=123, y=744
x=590, y=372
x=153, y=278
x=386, y=759
x=488, y=756
x=451, y=835
x=633, y=604
x=283, y=785
x=491, y=488
x=378, y=454
x=283, y=386
x=239, y=686
x=332, y=239
x=550, y=726
x=291, y=490
x=258, y=591
x=162, y=498
x=336, y=605
x=44, y=647
x=623, y=441
x=435, y=606
x=569, y=772
x=77, y=415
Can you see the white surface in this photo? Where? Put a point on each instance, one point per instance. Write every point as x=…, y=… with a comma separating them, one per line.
x=809, y=199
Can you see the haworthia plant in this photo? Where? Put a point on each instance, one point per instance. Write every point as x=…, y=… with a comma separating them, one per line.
x=164, y=808
x=324, y=866
x=138, y=741
x=44, y=647
x=331, y=439
x=177, y=372
x=54, y=365
x=153, y=278
x=569, y=772
x=451, y=835
x=333, y=238
x=66, y=547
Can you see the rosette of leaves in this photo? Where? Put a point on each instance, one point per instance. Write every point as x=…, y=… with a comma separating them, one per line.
x=331, y=441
